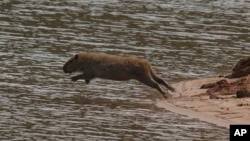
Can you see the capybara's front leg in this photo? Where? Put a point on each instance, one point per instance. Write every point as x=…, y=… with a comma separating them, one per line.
x=75, y=78
x=86, y=76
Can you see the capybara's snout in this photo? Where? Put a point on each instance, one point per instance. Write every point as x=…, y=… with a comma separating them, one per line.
x=65, y=69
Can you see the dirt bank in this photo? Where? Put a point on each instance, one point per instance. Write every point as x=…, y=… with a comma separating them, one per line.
x=215, y=103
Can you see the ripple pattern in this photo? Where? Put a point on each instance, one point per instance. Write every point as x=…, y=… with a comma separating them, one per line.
x=183, y=39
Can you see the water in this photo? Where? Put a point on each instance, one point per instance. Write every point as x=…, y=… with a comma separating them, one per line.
x=182, y=39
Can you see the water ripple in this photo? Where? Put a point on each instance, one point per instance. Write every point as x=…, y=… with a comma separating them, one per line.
x=182, y=39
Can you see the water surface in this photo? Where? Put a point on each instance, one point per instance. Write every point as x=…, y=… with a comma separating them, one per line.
x=182, y=40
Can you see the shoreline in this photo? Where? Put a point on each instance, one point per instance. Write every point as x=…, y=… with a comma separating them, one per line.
x=192, y=101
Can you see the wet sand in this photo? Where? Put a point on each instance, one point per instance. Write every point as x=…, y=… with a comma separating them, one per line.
x=221, y=110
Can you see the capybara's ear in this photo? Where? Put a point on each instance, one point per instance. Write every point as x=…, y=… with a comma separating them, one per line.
x=76, y=56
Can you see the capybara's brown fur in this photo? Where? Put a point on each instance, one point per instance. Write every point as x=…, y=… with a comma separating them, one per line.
x=100, y=65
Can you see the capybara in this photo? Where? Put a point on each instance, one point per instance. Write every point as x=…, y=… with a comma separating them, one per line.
x=100, y=65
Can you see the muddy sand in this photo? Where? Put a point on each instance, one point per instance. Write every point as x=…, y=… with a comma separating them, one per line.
x=216, y=103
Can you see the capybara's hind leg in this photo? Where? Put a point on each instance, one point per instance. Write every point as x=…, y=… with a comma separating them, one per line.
x=161, y=81
x=150, y=82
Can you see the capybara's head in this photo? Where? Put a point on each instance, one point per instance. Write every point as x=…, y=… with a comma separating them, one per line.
x=72, y=65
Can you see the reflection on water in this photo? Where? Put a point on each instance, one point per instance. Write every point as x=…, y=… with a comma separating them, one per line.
x=182, y=40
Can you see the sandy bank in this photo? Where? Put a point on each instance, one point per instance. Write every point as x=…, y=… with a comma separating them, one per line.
x=220, y=109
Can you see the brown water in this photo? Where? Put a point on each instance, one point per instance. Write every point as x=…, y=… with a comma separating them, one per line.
x=183, y=39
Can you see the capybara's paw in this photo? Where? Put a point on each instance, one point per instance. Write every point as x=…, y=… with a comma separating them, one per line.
x=165, y=97
x=87, y=81
x=74, y=78
x=172, y=89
